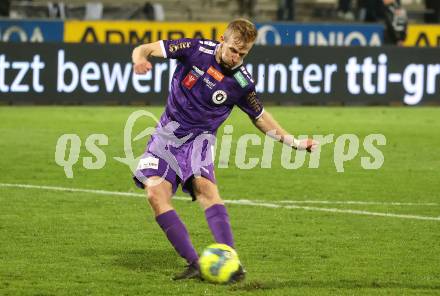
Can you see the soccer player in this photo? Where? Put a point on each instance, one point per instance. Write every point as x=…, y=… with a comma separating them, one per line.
x=208, y=82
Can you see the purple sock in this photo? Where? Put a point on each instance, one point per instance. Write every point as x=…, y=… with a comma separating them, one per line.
x=218, y=221
x=178, y=236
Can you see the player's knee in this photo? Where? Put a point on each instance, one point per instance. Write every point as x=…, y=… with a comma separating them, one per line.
x=208, y=200
x=156, y=196
x=202, y=197
x=201, y=190
x=206, y=192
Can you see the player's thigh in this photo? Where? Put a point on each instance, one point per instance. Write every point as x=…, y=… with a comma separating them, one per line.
x=206, y=191
x=159, y=190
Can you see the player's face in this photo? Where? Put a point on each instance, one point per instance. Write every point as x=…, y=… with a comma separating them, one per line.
x=233, y=51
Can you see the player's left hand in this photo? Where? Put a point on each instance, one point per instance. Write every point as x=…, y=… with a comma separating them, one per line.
x=309, y=145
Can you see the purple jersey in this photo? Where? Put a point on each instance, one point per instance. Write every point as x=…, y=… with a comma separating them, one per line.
x=202, y=94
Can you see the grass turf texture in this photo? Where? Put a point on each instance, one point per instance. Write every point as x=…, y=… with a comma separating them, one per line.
x=55, y=242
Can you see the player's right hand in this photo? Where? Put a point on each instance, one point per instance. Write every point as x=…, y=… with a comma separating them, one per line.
x=142, y=67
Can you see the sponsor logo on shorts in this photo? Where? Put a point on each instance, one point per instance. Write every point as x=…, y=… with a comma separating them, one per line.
x=219, y=96
x=241, y=80
x=148, y=163
x=190, y=79
x=178, y=46
x=205, y=50
x=215, y=73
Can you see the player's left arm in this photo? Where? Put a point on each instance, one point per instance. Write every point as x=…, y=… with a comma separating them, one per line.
x=263, y=120
x=265, y=123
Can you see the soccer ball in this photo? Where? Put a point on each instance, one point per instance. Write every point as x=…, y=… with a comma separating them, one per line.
x=219, y=263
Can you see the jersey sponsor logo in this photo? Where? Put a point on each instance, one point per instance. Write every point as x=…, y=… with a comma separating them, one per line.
x=219, y=96
x=241, y=80
x=243, y=68
x=253, y=102
x=190, y=79
x=198, y=71
x=209, y=83
x=215, y=73
x=148, y=163
x=178, y=46
x=205, y=50
x=207, y=42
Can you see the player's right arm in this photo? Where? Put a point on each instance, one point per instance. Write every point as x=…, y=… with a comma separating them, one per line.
x=180, y=49
x=142, y=53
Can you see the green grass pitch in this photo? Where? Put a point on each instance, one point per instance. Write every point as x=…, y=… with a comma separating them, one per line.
x=78, y=243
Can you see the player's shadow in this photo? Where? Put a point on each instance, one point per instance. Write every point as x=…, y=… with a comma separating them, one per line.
x=250, y=286
x=147, y=260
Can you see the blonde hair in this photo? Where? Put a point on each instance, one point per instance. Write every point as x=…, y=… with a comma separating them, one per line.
x=242, y=29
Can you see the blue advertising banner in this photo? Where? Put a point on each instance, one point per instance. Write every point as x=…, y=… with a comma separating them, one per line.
x=320, y=34
x=31, y=31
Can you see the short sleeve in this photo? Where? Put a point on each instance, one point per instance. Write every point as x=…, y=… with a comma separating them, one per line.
x=250, y=104
x=178, y=49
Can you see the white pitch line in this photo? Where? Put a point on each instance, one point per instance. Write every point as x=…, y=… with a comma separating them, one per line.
x=332, y=210
x=238, y=202
x=367, y=213
x=352, y=202
x=94, y=191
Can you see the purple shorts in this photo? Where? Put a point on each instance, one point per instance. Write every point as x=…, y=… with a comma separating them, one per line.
x=177, y=161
